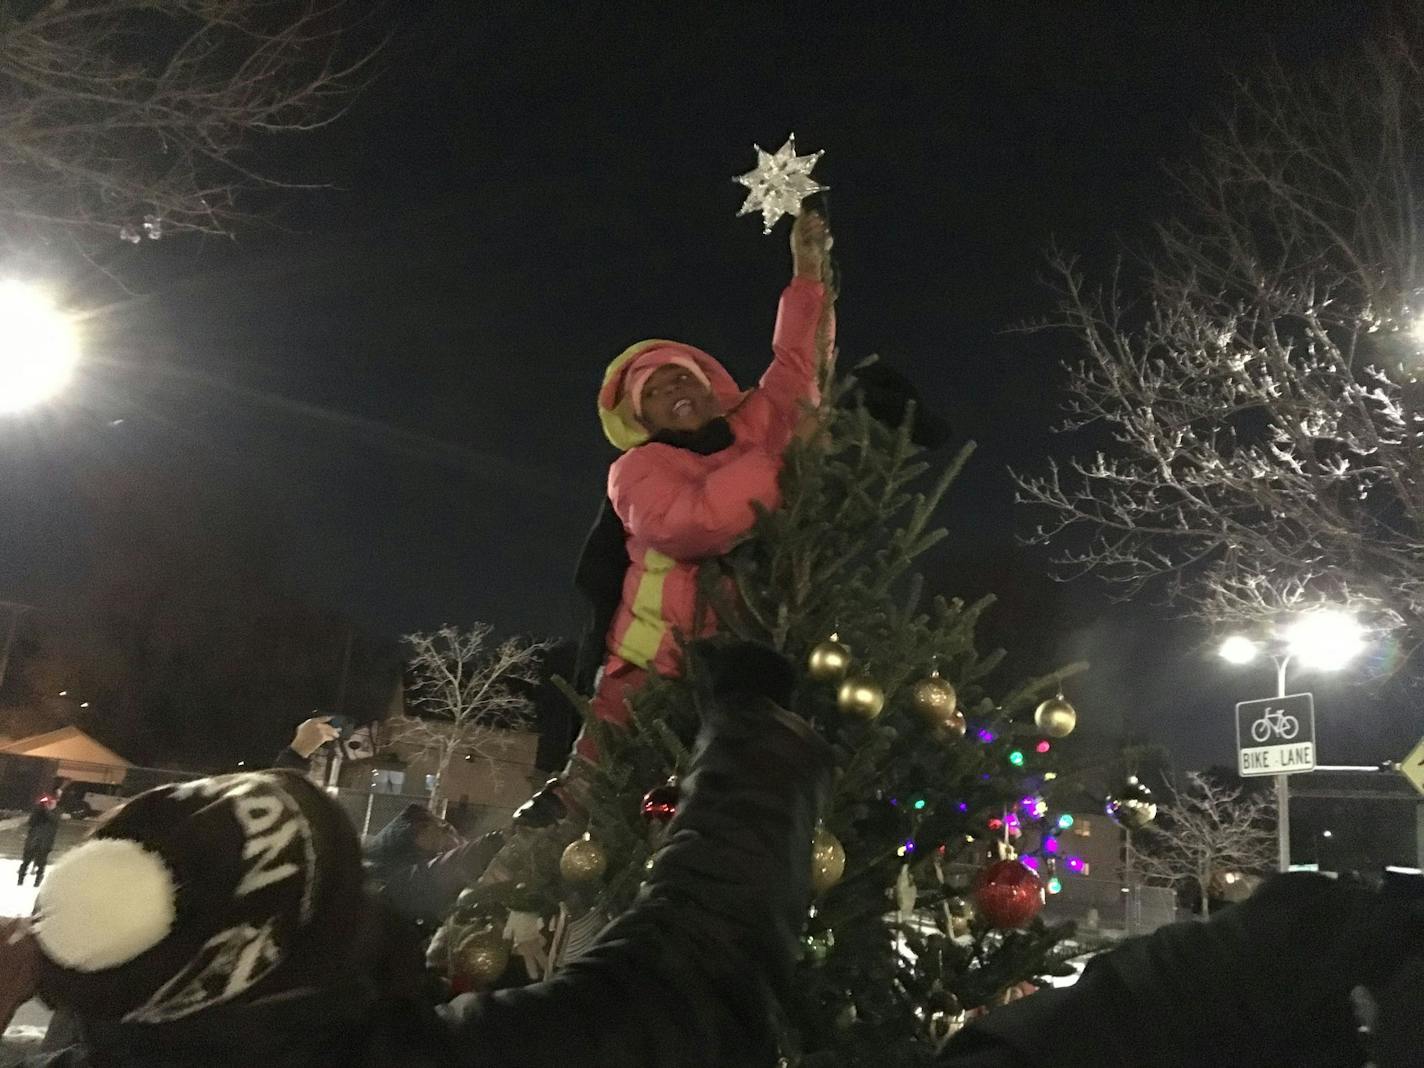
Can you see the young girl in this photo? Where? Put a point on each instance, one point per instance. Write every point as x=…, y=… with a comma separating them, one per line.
x=698, y=454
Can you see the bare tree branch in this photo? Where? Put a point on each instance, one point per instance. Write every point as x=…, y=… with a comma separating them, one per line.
x=1206, y=831
x=460, y=688
x=137, y=118
x=1250, y=385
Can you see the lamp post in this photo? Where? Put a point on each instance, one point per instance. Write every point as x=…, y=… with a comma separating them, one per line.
x=1325, y=639
x=39, y=347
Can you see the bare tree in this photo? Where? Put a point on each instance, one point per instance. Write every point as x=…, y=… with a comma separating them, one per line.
x=1249, y=399
x=1207, y=831
x=136, y=119
x=466, y=693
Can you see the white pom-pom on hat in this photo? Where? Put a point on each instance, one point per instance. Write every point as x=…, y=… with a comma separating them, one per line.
x=103, y=904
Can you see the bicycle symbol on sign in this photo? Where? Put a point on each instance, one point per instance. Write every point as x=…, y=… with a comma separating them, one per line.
x=1274, y=721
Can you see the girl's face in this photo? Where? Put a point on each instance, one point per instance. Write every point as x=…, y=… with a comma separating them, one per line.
x=673, y=399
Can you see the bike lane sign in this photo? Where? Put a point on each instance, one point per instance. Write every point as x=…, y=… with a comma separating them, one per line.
x=1276, y=736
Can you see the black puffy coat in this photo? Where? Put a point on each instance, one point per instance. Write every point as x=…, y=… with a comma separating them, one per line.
x=687, y=977
x=1265, y=984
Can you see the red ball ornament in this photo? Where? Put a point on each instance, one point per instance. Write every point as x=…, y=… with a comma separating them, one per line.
x=1007, y=894
x=660, y=803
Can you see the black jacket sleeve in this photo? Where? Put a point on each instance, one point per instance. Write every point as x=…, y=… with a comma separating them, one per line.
x=290, y=758
x=1265, y=983
x=427, y=889
x=688, y=975
x=602, y=565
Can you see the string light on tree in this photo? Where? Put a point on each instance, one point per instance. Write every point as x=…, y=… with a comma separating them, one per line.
x=779, y=182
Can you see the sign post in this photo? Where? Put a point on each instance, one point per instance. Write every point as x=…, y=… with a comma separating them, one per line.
x=1276, y=736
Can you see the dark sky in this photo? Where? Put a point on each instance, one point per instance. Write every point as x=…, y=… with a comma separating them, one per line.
x=402, y=379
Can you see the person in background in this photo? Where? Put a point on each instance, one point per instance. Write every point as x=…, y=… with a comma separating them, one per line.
x=40, y=832
x=461, y=815
x=245, y=934
x=312, y=733
x=419, y=863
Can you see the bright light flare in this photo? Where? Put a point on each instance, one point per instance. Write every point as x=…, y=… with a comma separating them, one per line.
x=1327, y=640
x=39, y=347
x=1238, y=649
x=1416, y=329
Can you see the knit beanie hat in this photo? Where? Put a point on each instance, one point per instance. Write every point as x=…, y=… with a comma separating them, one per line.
x=196, y=895
x=644, y=366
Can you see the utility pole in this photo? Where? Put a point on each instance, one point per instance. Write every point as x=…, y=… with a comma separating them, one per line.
x=13, y=611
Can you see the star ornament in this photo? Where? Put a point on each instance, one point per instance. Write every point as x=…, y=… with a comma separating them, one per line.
x=780, y=182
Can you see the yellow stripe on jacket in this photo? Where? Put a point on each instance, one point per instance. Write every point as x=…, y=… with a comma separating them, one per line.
x=646, y=630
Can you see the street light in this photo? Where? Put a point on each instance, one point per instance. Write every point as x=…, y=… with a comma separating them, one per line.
x=1326, y=639
x=39, y=347
x=1239, y=649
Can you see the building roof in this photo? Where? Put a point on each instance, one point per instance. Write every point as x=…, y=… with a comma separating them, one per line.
x=66, y=743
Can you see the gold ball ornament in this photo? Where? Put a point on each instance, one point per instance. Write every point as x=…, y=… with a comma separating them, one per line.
x=583, y=861
x=480, y=958
x=1056, y=717
x=937, y=704
x=828, y=861
x=860, y=696
x=829, y=660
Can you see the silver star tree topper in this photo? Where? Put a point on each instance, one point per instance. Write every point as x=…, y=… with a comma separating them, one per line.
x=780, y=182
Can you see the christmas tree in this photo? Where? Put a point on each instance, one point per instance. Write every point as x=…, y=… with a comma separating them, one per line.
x=921, y=914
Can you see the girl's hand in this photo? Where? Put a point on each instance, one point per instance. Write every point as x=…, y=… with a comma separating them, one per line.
x=810, y=243
x=809, y=428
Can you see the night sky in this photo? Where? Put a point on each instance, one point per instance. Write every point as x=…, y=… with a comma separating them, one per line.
x=398, y=380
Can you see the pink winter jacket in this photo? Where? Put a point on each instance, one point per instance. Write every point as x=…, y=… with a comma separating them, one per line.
x=679, y=508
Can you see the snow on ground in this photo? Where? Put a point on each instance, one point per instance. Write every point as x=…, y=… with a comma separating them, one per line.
x=28, y=1026
x=16, y=900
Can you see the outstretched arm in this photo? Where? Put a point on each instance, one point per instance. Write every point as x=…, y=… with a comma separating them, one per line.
x=789, y=384
x=686, y=977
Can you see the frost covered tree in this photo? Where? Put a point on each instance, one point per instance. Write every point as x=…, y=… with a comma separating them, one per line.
x=467, y=694
x=1247, y=406
x=1207, y=831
